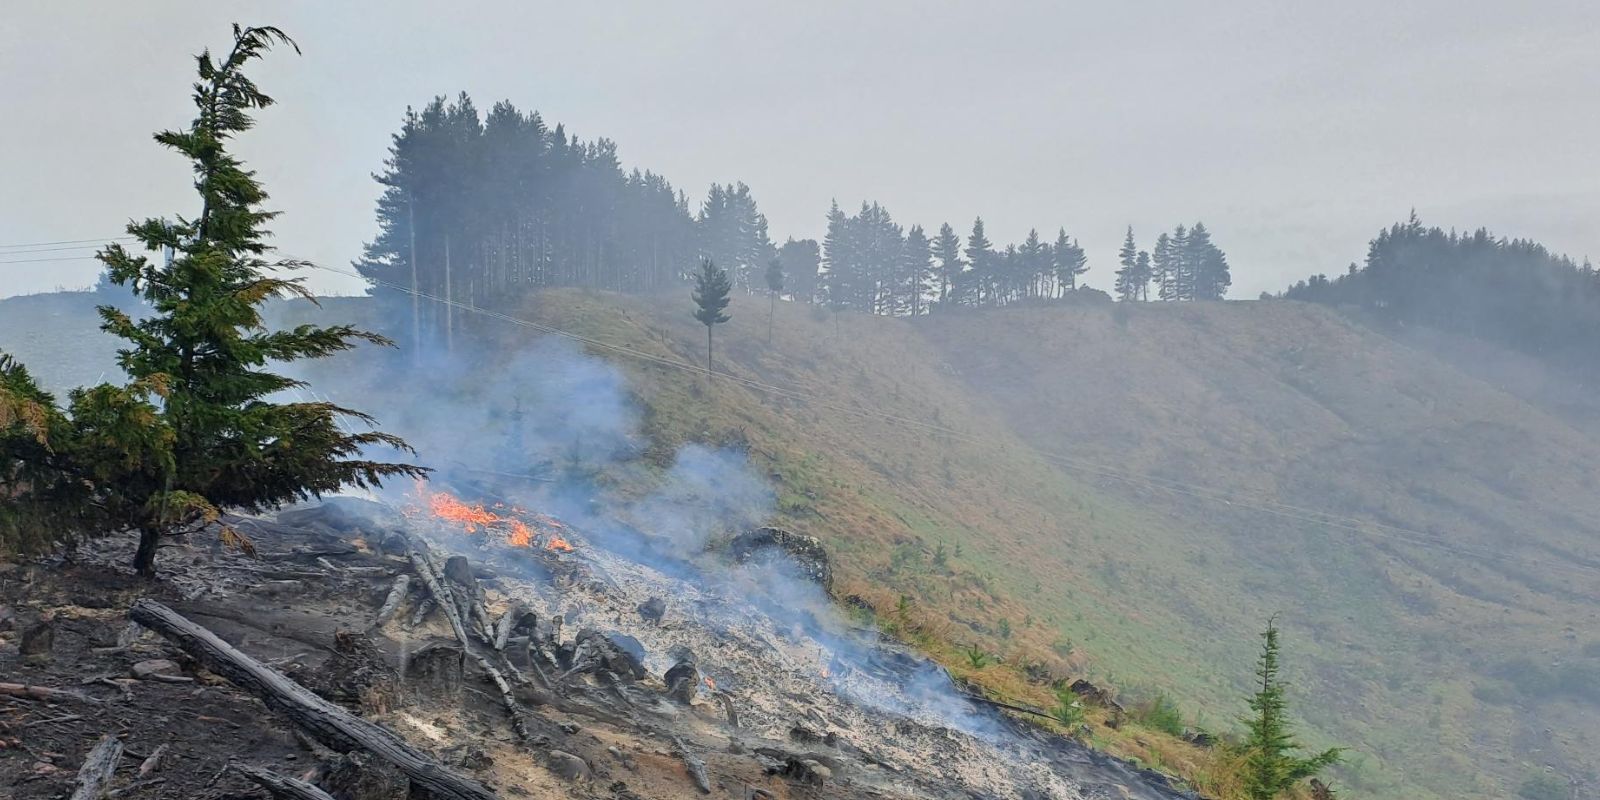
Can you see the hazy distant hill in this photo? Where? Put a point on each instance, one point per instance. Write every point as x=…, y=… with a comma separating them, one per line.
x=1068, y=484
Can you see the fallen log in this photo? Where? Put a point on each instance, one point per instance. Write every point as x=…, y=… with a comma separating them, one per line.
x=135, y=788
x=507, y=699
x=516, y=618
x=469, y=594
x=694, y=764
x=447, y=601
x=282, y=787
x=153, y=762
x=94, y=777
x=391, y=604
x=325, y=722
x=45, y=693
x=424, y=608
x=422, y=563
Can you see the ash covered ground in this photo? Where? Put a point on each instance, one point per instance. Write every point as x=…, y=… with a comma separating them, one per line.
x=624, y=675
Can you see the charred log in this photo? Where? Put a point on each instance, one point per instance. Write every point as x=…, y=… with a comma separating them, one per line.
x=518, y=619
x=329, y=724
x=45, y=693
x=469, y=596
x=282, y=787
x=94, y=777
x=695, y=766
x=152, y=762
x=391, y=604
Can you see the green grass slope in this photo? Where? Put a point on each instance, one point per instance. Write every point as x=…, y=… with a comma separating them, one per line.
x=1447, y=625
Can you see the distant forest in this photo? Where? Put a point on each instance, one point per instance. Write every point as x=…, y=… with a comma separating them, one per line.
x=479, y=209
x=1513, y=292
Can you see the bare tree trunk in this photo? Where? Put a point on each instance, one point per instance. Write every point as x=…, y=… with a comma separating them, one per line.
x=144, y=558
x=708, y=351
x=449, y=306
x=416, y=298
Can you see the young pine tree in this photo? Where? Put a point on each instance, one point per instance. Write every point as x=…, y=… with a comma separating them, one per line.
x=1141, y=275
x=1163, y=268
x=194, y=432
x=916, y=276
x=774, y=288
x=710, y=295
x=1069, y=260
x=947, y=249
x=981, y=258
x=1271, y=765
x=1127, y=277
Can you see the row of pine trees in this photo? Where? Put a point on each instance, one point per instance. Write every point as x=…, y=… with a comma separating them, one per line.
x=1185, y=265
x=476, y=209
x=1513, y=292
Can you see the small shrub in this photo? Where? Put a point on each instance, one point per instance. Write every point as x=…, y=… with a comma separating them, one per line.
x=976, y=656
x=1161, y=714
x=1544, y=786
x=1067, y=710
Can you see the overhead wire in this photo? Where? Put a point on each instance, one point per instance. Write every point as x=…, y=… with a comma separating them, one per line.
x=97, y=240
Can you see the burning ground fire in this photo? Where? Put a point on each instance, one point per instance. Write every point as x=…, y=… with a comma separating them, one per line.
x=518, y=527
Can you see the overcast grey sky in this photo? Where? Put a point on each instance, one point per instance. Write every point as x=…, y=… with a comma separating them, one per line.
x=1294, y=130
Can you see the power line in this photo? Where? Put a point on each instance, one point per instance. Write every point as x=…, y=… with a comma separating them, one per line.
x=1276, y=508
x=67, y=241
x=67, y=248
x=40, y=260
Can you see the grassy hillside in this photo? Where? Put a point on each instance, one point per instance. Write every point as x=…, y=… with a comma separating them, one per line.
x=1444, y=625
x=1038, y=484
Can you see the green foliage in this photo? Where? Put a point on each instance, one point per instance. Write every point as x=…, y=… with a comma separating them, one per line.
x=977, y=657
x=1573, y=680
x=192, y=432
x=1544, y=786
x=1271, y=767
x=775, y=276
x=1160, y=713
x=710, y=296
x=1514, y=292
x=1068, y=710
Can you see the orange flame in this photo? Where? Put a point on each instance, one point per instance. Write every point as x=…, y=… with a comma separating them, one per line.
x=557, y=543
x=519, y=536
x=474, y=517
x=710, y=684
